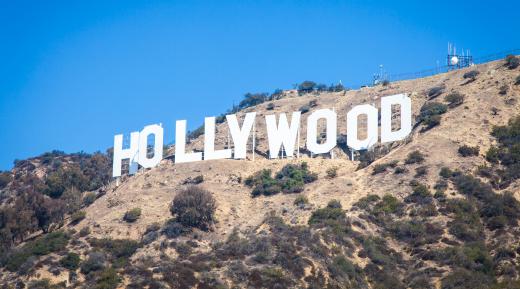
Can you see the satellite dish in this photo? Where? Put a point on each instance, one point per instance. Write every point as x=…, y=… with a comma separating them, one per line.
x=454, y=60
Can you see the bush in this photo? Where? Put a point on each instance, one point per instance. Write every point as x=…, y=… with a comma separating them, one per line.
x=70, y=261
x=5, y=178
x=465, y=279
x=173, y=229
x=95, y=262
x=435, y=91
x=415, y=157
x=379, y=168
x=50, y=243
x=270, y=106
x=387, y=205
x=252, y=99
x=108, y=279
x=365, y=202
x=85, y=231
x=89, y=198
x=421, y=171
x=471, y=75
x=42, y=284
x=399, y=170
x=305, y=109
x=420, y=195
x=415, y=232
x=517, y=80
x=77, y=217
x=446, y=173
x=332, y=172
x=306, y=86
x=132, y=215
x=332, y=212
x=301, y=201
x=193, y=181
x=503, y=89
x=119, y=249
x=454, y=99
x=467, y=151
x=194, y=207
x=512, y=62
x=290, y=179
x=430, y=114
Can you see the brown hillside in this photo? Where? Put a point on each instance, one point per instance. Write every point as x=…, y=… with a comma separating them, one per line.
x=243, y=219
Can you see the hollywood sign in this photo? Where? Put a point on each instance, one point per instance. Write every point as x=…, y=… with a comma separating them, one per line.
x=280, y=134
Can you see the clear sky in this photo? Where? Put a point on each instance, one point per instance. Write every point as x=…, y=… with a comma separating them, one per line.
x=73, y=75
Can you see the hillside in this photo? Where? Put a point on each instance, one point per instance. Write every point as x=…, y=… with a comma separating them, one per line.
x=439, y=210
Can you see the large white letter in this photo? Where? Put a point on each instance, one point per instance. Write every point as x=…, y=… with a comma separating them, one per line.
x=312, y=131
x=130, y=153
x=157, y=132
x=209, y=142
x=240, y=136
x=282, y=134
x=180, y=145
x=387, y=135
x=352, y=127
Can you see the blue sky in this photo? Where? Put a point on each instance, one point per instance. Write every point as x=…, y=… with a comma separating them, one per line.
x=73, y=75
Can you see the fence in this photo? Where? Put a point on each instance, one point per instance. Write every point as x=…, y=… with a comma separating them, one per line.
x=444, y=68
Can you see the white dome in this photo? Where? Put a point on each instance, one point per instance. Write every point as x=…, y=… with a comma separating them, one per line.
x=454, y=60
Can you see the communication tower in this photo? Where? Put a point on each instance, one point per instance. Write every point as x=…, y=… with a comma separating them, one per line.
x=455, y=60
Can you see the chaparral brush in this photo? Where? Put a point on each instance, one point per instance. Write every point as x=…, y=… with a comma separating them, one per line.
x=281, y=134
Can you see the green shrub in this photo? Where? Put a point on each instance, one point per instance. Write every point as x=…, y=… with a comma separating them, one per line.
x=399, y=170
x=388, y=205
x=194, y=207
x=517, y=80
x=332, y=212
x=416, y=232
x=430, y=114
x=503, y=89
x=252, y=99
x=290, y=179
x=421, y=171
x=467, y=151
x=119, y=249
x=446, y=172
x=193, y=181
x=49, y=243
x=108, y=279
x=43, y=284
x=466, y=279
x=94, y=262
x=70, y=261
x=332, y=172
x=365, y=202
x=132, y=215
x=421, y=195
x=415, y=157
x=379, y=168
x=77, y=217
x=85, y=231
x=89, y=198
x=306, y=86
x=305, y=109
x=471, y=75
x=5, y=178
x=512, y=62
x=435, y=91
x=507, y=153
x=301, y=201
x=454, y=99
